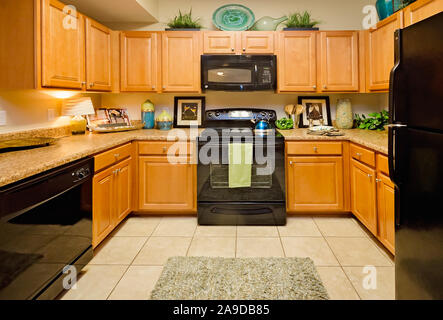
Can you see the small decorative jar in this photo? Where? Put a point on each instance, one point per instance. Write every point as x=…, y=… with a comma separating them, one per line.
x=164, y=121
x=345, y=117
x=148, y=114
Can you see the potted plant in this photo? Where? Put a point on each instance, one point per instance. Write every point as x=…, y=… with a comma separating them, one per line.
x=184, y=22
x=301, y=21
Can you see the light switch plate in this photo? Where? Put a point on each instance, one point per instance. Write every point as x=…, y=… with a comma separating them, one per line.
x=2, y=118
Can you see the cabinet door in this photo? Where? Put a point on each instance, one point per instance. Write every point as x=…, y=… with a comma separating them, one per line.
x=315, y=184
x=297, y=61
x=139, y=61
x=219, y=42
x=123, y=187
x=166, y=187
x=386, y=213
x=421, y=10
x=181, y=61
x=63, y=47
x=363, y=195
x=255, y=42
x=380, y=53
x=98, y=57
x=103, y=205
x=339, y=61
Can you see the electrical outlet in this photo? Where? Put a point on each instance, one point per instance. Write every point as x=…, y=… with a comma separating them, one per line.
x=2, y=118
x=51, y=114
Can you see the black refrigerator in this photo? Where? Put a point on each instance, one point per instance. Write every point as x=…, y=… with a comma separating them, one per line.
x=416, y=158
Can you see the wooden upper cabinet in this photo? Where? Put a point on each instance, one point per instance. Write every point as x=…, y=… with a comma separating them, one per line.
x=339, y=61
x=380, y=52
x=139, y=61
x=181, y=53
x=420, y=10
x=363, y=195
x=256, y=42
x=297, y=61
x=63, y=47
x=315, y=184
x=98, y=56
x=386, y=211
x=217, y=42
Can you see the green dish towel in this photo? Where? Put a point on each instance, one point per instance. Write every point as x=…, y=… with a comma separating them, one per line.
x=240, y=165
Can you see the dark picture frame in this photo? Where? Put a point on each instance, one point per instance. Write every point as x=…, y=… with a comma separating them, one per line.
x=315, y=101
x=189, y=111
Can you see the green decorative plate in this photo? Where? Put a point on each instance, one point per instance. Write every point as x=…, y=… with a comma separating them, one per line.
x=233, y=17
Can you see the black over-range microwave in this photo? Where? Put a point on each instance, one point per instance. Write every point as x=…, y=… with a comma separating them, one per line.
x=238, y=72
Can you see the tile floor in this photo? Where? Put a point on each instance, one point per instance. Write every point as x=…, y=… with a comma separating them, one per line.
x=128, y=264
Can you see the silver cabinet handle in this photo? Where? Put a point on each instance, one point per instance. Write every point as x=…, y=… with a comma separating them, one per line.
x=232, y=49
x=164, y=149
x=314, y=87
x=358, y=154
x=84, y=83
x=369, y=175
x=291, y=163
x=325, y=87
x=377, y=180
x=244, y=49
x=116, y=155
x=315, y=149
x=91, y=84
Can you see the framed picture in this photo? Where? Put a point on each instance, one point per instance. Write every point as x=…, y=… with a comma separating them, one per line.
x=188, y=111
x=317, y=111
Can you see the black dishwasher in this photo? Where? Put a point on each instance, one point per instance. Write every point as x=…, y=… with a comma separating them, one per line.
x=45, y=231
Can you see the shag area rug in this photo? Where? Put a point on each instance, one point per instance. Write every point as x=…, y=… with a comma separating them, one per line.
x=203, y=278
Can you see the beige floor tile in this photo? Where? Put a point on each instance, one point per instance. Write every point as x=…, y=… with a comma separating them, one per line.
x=257, y=231
x=119, y=250
x=176, y=227
x=337, y=283
x=137, y=226
x=212, y=247
x=357, y=252
x=384, y=285
x=299, y=227
x=216, y=231
x=96, y=283
x=339, y=227
x=259, y=247
x=137, y=283
x=315, y=248
x=158, y=249
x=385, y=252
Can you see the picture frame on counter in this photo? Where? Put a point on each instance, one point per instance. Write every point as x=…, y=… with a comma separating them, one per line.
x=189, y=111
x=317, y=111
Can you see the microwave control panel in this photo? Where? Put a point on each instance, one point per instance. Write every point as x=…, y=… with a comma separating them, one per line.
x=266, y=76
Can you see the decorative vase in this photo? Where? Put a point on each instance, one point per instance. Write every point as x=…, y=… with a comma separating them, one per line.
x=148, y=114
x=268, y=23
x=164, y=121
x=384, y=8
x=345, y=117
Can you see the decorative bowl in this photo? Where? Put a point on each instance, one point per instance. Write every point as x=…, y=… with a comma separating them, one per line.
x=233, y=17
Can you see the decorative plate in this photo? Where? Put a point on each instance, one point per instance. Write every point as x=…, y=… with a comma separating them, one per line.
x=233, y=17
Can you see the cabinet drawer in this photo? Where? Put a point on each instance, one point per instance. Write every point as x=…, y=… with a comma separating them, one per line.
x=383, y=164
x=112, y=156
x=162, y=148
x=314, y=148
x=363, y=155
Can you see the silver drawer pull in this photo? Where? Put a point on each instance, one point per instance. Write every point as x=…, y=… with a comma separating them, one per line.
x=377, y=180
x=358, y=154
x=315, y=149
x=164, y=149
x=369, y=175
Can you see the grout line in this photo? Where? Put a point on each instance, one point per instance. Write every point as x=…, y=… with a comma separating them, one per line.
x=236, y=238
x=281, y=243
x=192, y=239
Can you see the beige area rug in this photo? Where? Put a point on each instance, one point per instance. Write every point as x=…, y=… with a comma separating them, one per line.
x=203, y=278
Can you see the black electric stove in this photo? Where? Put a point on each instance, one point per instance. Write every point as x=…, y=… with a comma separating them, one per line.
x=263, y=203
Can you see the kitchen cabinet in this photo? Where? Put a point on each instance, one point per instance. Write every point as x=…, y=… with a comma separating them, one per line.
x=296, y=59
x=315, y=184
x=167, y=187
x=98, y=56
x=63, y=48
x=181, y=53
x=380, y=52
x=420, y=10
x=363, y=194
x=112, y=192
x=338, y=61
x=386, y=212
x=139, y=61
x=232, y=42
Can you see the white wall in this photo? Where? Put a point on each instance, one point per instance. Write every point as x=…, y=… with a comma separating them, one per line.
x=336, y=14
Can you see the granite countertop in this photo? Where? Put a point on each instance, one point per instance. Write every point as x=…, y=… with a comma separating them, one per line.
x=18, y=165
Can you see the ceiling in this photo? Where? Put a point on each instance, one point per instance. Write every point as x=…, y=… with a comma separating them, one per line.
x=118, y=11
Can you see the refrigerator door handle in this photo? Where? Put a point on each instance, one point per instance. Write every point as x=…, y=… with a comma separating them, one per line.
x=393, y=80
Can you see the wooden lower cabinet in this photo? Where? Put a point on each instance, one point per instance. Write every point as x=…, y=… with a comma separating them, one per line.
x=315, y=184
x=363, y=195
x=112, y=193
x=167, y=187
x=386, y=212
